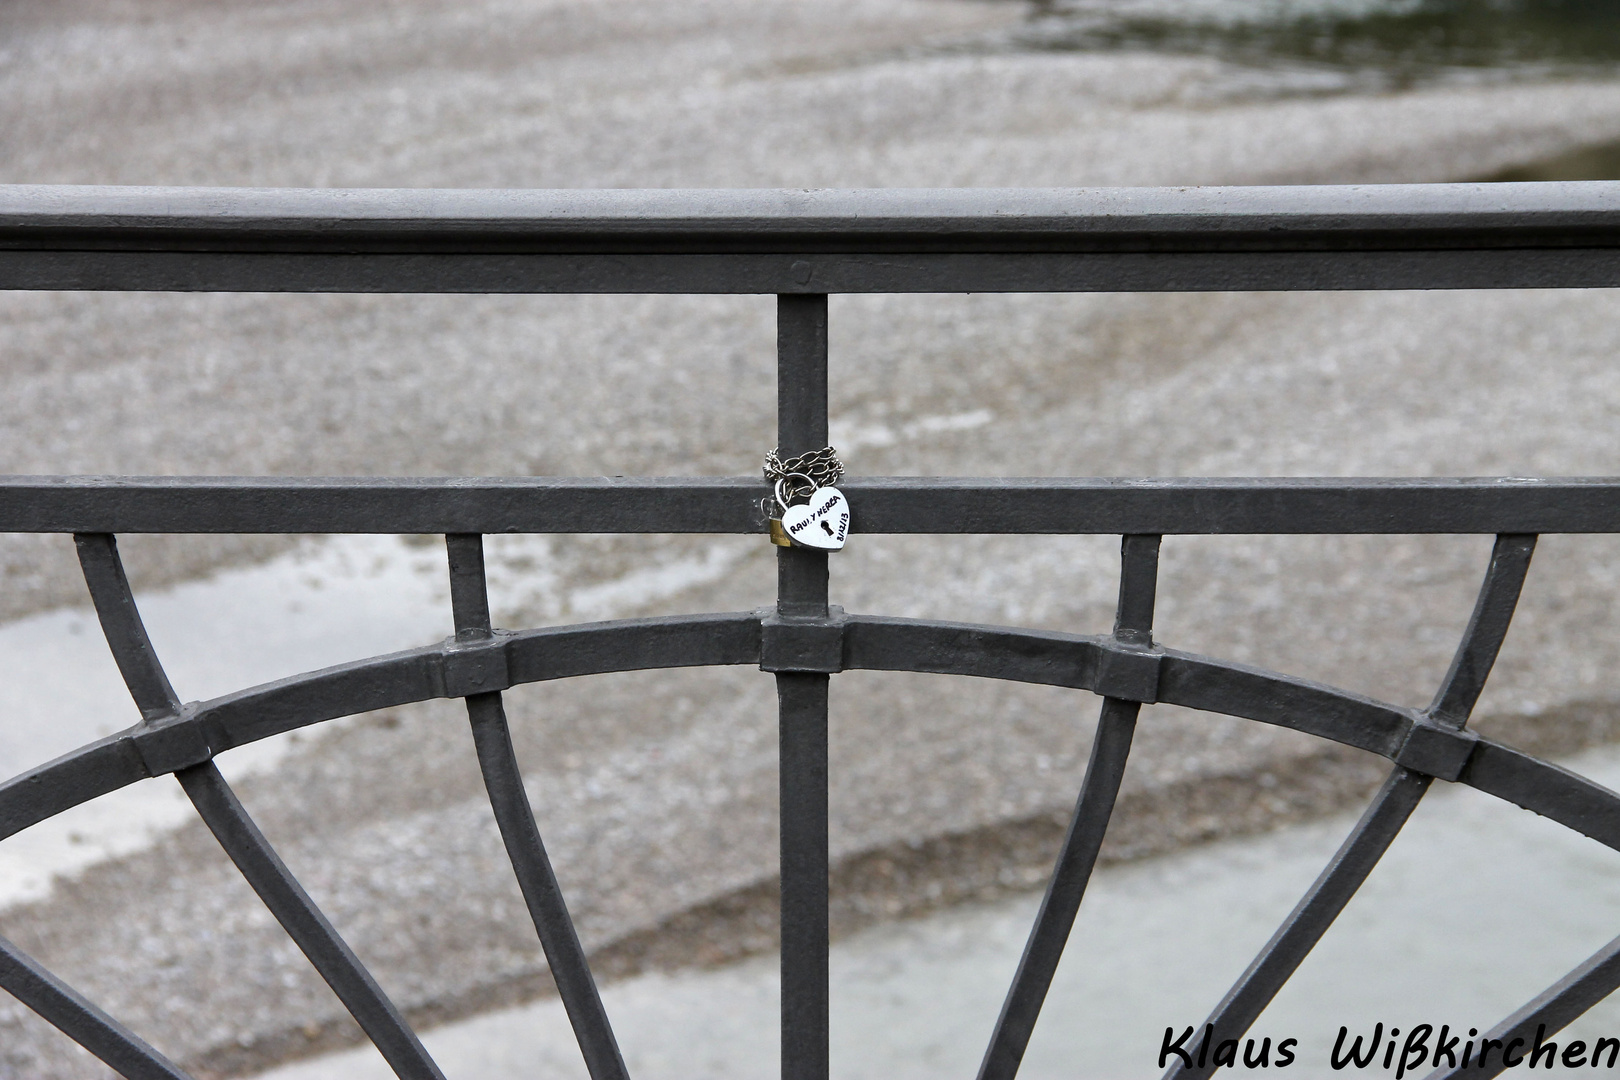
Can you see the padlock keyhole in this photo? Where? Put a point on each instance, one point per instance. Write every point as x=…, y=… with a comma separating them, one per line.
x=826, y=528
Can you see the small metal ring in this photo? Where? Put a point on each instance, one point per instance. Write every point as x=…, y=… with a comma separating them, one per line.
x=780, y=480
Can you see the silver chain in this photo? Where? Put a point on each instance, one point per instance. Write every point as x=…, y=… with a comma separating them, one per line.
x=820, y=467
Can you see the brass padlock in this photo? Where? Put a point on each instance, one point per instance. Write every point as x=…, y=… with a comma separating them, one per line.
x=779, y=533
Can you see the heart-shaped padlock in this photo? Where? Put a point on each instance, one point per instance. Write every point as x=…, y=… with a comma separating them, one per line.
x=822, y=523
x=822, y=519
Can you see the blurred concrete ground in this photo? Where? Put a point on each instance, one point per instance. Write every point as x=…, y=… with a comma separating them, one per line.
x=1156, y=943
x=657, y=793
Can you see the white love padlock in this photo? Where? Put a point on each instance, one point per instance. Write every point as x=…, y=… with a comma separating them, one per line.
x=822, y=523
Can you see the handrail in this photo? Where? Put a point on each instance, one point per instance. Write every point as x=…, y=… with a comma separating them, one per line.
x=811, y=241
x=1306, y=218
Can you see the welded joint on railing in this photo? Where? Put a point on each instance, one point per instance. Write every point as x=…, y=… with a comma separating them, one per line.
x=170, y=743
x=475, y=667
x=1128, y=672
x=1441, y=752
x=801, y=643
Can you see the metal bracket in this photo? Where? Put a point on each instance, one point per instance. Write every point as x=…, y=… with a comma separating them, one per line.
x=794, y=643
x=172, y=742
x=1129, y=673
x=475, y=667
x=1440, y=752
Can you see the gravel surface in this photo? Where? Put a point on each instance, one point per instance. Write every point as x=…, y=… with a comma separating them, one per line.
x=657, y=792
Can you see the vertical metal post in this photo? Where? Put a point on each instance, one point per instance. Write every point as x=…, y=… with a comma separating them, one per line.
x=801, y=576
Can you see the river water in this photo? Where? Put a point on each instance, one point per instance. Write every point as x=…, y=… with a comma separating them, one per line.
x=1404, y=42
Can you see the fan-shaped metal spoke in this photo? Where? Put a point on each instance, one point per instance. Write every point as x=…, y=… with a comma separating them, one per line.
x=121, y=624
x=1312, y=916
x=1487, y=629
x=1382, y=822
x=469, y=598
x=1548, y=1014
x=1110, y=747
x=305, y=924
x=229, y=821
x=64, y=1008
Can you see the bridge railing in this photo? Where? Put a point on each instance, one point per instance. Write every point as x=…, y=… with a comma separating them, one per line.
x=802, y=246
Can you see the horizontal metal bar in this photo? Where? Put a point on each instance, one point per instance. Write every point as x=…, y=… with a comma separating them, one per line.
x=886, y=240
x=1098, y=505
x=810, y=272
x=197, y=504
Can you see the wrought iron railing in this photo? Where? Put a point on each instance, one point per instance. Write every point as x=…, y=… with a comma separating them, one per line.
x=803, y=246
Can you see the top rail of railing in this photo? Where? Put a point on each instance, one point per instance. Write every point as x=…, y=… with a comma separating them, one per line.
x=811, y=241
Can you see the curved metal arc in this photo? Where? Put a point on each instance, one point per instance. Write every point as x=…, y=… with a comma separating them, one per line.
x=1546, y=789
x=246, y=716
x=877, y=643
x=77, y=777
x=872, y=643
x=65, y=1009
x=524, y=657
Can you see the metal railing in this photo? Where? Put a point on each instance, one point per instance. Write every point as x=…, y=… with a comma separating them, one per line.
x=803, y=246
